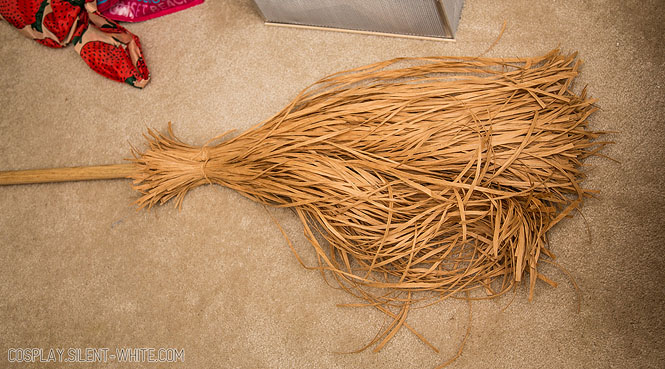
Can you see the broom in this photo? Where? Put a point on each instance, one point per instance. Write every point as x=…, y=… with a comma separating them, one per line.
x=414, y=178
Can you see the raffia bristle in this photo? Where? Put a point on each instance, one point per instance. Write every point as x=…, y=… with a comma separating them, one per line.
x=439, y=174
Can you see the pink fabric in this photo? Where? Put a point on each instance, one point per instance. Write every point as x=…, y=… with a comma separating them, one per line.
x=141, y=10
x=103, y=5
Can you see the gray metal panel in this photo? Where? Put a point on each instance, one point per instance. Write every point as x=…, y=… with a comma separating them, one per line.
x=453, y=11
x=412, y=17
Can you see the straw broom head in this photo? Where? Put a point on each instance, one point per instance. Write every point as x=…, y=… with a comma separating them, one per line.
x=442, y=175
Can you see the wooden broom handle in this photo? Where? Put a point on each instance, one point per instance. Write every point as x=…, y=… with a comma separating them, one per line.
x=112, y=171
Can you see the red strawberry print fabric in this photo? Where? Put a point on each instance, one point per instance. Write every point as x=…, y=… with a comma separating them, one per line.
x=108, y=48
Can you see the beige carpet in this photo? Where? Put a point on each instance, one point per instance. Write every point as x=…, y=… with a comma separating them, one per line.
x=82, y=269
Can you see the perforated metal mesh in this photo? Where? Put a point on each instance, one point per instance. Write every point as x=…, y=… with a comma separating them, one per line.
x=428, y=18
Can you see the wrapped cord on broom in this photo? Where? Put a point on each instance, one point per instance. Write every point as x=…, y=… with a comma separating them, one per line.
x=425, y=177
